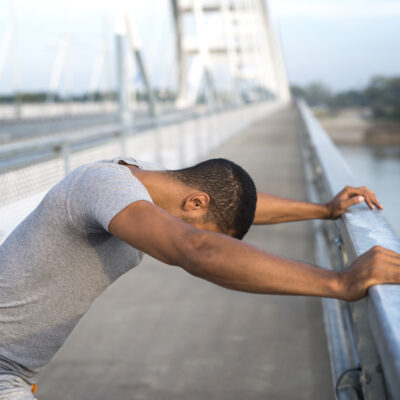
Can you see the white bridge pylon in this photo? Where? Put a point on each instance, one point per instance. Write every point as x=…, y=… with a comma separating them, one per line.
x=232, y=41
x=226, y=51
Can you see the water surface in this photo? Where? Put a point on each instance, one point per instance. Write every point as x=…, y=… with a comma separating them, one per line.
x=379, y=169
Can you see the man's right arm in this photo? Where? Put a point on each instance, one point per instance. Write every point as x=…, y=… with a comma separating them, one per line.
x=236, y=265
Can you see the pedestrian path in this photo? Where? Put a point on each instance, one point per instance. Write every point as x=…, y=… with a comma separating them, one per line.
x=160, y=334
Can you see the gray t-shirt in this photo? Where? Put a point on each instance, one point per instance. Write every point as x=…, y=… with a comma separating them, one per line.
x=59, y=259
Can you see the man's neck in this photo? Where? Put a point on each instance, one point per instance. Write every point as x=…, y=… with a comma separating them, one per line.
x=165, y=191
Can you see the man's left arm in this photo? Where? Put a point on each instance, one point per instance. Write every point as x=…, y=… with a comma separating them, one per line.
x=273, y=209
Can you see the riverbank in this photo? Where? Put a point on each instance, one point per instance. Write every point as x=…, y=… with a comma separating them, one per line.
x=349, y=127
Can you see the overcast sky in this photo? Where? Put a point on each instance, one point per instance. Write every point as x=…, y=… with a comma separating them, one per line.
x=340, y=42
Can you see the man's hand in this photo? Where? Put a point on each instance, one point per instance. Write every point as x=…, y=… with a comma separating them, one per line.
x=376, y=266
x=350, y=196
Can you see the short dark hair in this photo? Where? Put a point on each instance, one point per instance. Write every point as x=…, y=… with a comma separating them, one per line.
x=233, y=194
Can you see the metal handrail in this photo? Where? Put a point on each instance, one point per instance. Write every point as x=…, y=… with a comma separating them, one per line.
x=42, y=148
x=377, y=318
x=87, y=134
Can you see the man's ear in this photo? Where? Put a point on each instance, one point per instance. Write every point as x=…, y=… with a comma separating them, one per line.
x=196, y=201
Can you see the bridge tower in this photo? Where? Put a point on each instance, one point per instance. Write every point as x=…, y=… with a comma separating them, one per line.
x=230, y=41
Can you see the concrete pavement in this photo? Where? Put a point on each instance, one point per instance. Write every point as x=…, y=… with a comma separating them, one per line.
x=161, y=334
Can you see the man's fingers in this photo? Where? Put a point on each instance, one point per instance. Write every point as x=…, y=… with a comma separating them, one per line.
x=351, y=201
x=369, y=196
x=376, y=202
x=372, y=201
x=350, y=196
x=383, y=251
x=369, y=202
x=390, y=260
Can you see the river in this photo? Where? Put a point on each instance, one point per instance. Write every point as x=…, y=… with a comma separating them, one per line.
x=379, y=169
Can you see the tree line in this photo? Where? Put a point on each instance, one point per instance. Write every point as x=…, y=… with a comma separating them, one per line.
x=381, y=96
x=43, y=97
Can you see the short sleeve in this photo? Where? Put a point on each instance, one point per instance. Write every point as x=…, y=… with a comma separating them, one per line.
x=99, y=192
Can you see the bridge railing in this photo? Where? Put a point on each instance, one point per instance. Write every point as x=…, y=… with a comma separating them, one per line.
x=364, y=336
x=29, y=168
x=36, y=111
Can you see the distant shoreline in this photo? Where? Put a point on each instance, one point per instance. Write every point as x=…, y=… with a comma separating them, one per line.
x=348, y=127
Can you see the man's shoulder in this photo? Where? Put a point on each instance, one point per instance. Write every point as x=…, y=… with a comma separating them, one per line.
x=150, y=165
x=97, y=191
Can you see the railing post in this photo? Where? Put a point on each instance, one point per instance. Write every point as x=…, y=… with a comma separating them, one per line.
x=65, y=157
x=197, y=135
x=181, y=143
x=158, y=143
x=124, y=111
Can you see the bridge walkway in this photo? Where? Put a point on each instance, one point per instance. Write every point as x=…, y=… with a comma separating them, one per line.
x=160, y=334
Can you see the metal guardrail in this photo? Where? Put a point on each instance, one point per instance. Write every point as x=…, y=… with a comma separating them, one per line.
x=373, y=324
x=174, y=139
x=61, y=143
x=24, y=152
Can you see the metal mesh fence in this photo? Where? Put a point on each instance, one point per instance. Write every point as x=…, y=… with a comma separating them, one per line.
x=175, y=146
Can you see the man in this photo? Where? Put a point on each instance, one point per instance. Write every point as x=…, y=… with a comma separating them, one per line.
x=94, y=225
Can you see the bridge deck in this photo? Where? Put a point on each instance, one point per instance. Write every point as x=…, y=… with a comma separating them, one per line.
x=159, y=333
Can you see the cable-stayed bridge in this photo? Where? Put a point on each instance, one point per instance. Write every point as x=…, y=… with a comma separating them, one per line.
x=159, y=334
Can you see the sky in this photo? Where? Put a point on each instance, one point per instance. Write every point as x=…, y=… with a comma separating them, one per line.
x=342, y=43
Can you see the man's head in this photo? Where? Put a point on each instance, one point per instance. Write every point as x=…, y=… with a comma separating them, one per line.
x=232, y=195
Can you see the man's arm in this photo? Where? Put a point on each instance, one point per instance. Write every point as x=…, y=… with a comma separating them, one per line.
x=236, y=265
x=273, y=209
